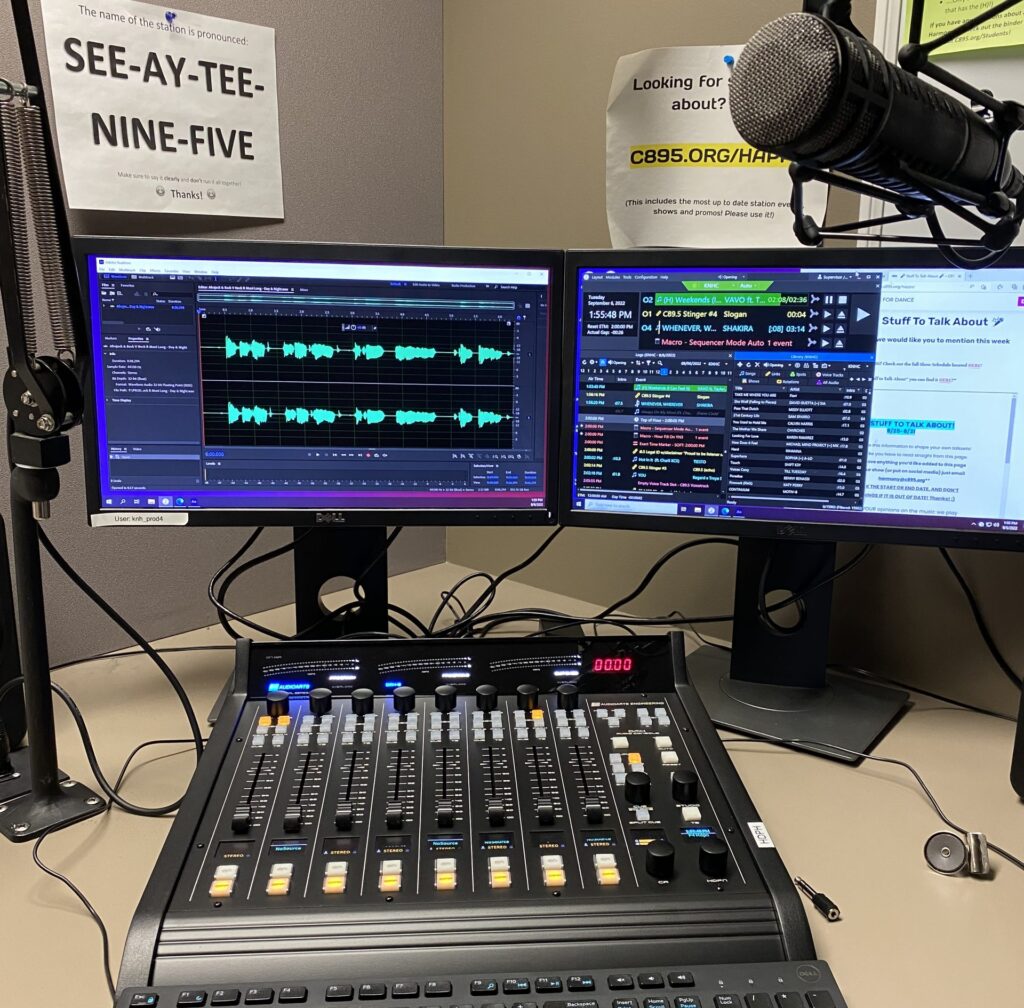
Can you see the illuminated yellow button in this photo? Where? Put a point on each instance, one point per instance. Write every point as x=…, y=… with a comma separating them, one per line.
x=222, y=888
x=266, y=721
x=390, y=883
x=634, y=757
x=284, y=719
x=501, y=880
x=607, y=876
x=537, y=714
x=554, y=877
x=334, y=884
x=278, y=886
x=444, y=881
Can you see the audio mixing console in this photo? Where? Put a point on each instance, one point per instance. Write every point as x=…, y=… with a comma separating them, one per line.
x=394, y=809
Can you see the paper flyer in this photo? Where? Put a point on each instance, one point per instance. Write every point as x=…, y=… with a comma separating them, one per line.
x=678, y=173
x=941, y=16
x=164, y=111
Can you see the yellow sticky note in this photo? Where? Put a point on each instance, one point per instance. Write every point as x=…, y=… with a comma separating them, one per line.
x=941, y=16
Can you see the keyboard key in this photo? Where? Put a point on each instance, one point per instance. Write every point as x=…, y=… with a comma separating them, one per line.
x=684, y=979
x=373, y=991
x=656, y=1002
x=144, y=1000
x=579, y=983
x=259, y=995
x=575, y=1003
x=789, y=999
x=727, y=1001
x=493, y=1004
x=620, y=981
x=483, y=987
x=820, y=999
x=437, y=988
x=405, y=990
x=759, y=1001
x=687, y=1001
x=515, y=985
x=339, y=992
x=226, y=996
x=548, y=985
x=650, y=981
x=523, y=1004
x=624, y=1003
x=191, y=997
x=292, y=995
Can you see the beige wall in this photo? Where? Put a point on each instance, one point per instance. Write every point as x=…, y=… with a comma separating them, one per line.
x=525, y=90
x=359, y=92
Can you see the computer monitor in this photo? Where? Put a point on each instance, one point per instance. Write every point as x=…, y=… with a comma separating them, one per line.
x=795, y=399
x=267, y=383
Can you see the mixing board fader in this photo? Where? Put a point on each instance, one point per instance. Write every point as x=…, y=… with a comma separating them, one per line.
x=381, y=804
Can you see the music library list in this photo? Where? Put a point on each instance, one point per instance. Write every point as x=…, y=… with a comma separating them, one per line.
x=727, y=392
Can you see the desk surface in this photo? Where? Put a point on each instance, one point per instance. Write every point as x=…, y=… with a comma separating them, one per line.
x=908, y=937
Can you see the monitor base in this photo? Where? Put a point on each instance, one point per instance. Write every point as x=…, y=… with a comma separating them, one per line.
x=846, y=712
x=19, y=783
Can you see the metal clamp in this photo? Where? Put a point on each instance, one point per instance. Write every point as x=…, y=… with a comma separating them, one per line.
x=9, y=90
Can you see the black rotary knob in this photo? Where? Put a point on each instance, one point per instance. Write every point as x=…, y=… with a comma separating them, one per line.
x=568, y=696
x=277, y=703
x=660, y=859
x=713, y=857
x=362, y=701
x=526, y=696
x=638, y=788
x=486, y=697
x=444, y=698
x=320, y=701
x=404, y=698
x=684, y=787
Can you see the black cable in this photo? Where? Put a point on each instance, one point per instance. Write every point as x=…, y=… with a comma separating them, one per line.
x=452, y=592
x=664, y=559
x=53, y=873
x=113, y=614
x=759, y=738
x=487, y=596
x=126, y=652
x=982, y=624
x=221, y=595
x=211, y=588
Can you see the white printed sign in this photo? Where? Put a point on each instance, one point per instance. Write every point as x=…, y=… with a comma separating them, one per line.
x=164, y=111
x=678, y=173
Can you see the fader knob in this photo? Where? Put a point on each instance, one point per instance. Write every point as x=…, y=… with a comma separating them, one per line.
x=277, y=704
x=362, y=701
x=684, y=787
x=568, y=696
x=444, y=698
x=713, y=857
x=638, y=788
x=404, y=698
x=486, y=697
x=660, y=859
x=526, y=696
x=320, y=701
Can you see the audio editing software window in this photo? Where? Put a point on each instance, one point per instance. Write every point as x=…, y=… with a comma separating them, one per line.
x=892, y=396
x=243, y=384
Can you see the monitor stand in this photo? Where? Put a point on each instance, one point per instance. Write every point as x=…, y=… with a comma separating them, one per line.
x=321, y=555
x=774, y=682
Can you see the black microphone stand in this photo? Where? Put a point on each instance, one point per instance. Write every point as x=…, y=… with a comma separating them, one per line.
x=1004, y=215
x=43, y=396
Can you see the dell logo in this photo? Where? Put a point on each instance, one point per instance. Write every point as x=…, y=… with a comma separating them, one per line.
x=330, y=517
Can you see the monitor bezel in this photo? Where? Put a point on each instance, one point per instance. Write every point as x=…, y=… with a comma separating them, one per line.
x=122, y=246
x=833, y=531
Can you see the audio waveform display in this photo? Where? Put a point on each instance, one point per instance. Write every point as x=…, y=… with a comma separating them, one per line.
x=318, y=351
x=403, y=418
x=245, y=348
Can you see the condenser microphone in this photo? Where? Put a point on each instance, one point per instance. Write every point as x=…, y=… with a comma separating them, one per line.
x=815, y=93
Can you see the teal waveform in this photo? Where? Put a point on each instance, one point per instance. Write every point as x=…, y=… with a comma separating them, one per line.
x=370, y=416
x=483, y=354
x=253, y=349
x=482, y=418
x=248, y=414
x=406, y=353
x=318, y=351
x=303, y=416
x=371, y=351
x=405, y=417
